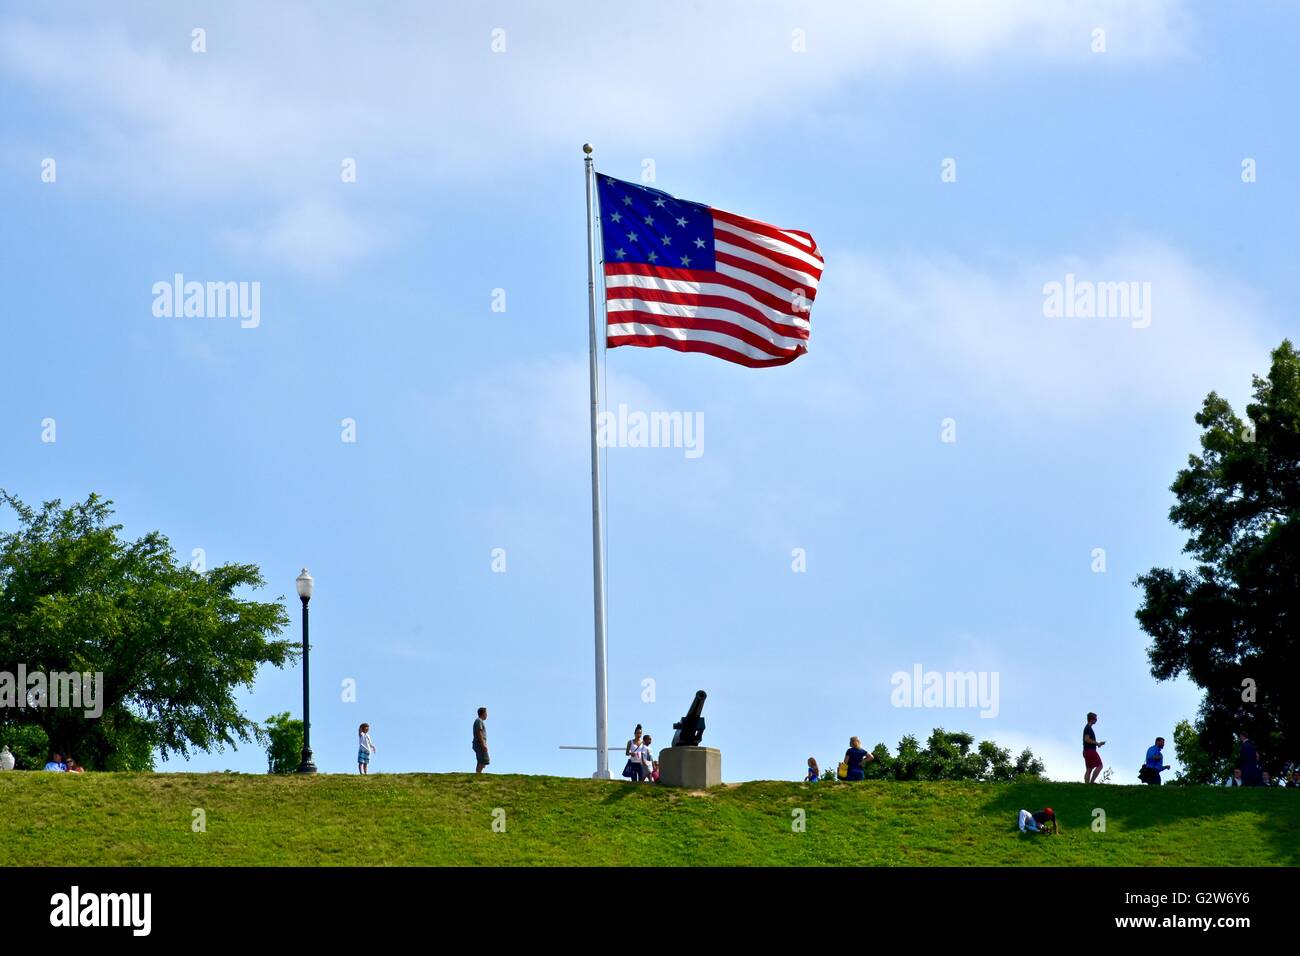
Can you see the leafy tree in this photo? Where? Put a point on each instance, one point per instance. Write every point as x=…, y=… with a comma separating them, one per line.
x=27, y=743
x=1232, y=624
x=1195, y=765
x=948, y=756
x=882, y=768
x=284, y=743
x=174, y=645
x=951, y=756
x=907, y=764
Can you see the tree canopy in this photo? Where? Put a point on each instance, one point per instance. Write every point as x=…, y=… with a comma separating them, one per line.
x=951, y=755
x=1232, y=623
x=174, y=644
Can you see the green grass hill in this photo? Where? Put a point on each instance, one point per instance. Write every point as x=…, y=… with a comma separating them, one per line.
x=109, y=819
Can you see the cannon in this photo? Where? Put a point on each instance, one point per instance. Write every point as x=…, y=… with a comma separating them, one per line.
x=688, y=731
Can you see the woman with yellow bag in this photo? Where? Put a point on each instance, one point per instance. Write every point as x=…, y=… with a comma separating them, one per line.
x=855, y=759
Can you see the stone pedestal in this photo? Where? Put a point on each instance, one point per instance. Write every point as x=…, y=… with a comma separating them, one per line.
x=696, y=768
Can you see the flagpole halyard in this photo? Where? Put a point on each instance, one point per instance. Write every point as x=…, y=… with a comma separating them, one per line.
x=597, y=519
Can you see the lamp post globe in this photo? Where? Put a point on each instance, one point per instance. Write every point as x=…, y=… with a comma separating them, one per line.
x=305, y=584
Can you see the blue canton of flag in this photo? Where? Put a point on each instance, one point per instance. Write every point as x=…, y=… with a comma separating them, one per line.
x=640, y=224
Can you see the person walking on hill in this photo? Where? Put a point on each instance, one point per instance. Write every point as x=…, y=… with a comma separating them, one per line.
x=634, y=770
x=649, y=769
x=480, y=744
x=1155, y=763
x=1091, y=758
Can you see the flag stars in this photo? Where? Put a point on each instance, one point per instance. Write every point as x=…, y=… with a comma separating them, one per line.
x=633, y=223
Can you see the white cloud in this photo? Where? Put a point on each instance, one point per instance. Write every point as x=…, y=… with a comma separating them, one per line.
x=313, y=236
x=279, y=84
x=284, y=93
x=985, y=331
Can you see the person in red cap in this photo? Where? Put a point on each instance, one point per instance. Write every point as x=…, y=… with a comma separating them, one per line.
x=1044, y=821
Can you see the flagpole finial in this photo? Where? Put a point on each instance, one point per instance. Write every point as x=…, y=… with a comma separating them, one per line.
x=586, y=148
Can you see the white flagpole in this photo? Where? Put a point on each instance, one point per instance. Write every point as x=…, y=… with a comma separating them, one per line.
x=597, y=520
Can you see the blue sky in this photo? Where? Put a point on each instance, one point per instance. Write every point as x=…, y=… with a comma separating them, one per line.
x=376, y=305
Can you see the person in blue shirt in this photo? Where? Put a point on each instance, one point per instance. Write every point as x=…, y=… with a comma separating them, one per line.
x=1155, y=763
x=814, y=772
x=857, y=759
x=56, y=764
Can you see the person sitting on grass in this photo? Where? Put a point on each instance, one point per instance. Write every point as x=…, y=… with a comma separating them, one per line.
x=857, y=759
x=814, y=774
x=56, y=764
x=1044, y=821
x=73, y=766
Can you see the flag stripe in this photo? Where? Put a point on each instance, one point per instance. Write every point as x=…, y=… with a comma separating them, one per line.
x=684, y=314
x=686, y=280
x=770, y=281
x=719, y=346
x=781, y=326
x=775, y=249
x=700, y=329
x=753, y=225
x=765, y=264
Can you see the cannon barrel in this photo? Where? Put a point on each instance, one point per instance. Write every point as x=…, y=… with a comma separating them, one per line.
x=688, y=731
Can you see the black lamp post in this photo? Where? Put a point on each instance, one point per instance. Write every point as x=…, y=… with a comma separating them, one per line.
x=305, y=583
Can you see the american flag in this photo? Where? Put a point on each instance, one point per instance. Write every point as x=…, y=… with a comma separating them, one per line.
x=689, y=277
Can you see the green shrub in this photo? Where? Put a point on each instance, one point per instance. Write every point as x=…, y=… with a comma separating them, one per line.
x=284, y=743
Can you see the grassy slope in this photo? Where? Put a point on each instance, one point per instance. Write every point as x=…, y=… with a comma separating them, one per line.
x=422, y=819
